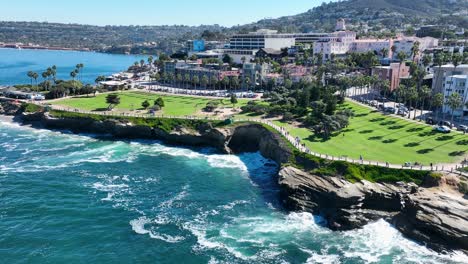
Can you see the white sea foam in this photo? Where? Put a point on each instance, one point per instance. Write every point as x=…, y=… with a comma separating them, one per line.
x=138, y=225
x=181, y=195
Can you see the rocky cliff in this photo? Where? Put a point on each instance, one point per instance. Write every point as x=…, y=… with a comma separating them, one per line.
x=428, y=215
x=247, y=137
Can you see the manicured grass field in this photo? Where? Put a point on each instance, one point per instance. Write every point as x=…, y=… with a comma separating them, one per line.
x=388, y=139
x=174, y=105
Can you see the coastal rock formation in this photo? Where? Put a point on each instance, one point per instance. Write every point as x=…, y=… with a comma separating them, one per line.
x=439, y=219
x=232, y=139
x=255, y=137
x=428, y=216
x=7, y=107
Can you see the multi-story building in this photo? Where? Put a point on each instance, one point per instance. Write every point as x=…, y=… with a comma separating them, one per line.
x=196, y=45
x=263, y=38
x=405, y=44
x=393, y=73
x=255, y=72
x=342, y=42
x=443, y=73
x=457, y=84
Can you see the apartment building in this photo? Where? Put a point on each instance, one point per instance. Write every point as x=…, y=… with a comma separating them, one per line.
x=393, y=73
x=449, y=79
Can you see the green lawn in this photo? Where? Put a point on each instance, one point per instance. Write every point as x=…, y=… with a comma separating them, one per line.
x=174, y=105
x=388, y=139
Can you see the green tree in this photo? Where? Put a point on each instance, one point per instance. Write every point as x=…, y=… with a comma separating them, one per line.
x=145, y=104
x=113, y=100
x=233, y=100
x=454, y=101
x=228, y=59
x=195, y=81
x=159, y=102
x=438, y=102
x=204, y=81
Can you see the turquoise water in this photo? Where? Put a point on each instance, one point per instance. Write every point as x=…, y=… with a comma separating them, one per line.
x=15, y=64
x=80, y=199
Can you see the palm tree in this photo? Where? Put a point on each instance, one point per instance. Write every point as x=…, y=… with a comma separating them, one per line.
x=438, y=102
x=412, y=97
x=35, y=76
x=384, y=52
x=213, y=81
x=415, y=49
x=454, y=101
x=235, y=82
x=204, y=81
x=186, y=79
x=393, y=48
x=179, y=79
x=424, y=94
x=401, y=56
x=195, y=81
x=150, y=61
x=73, y=75
x=225, y=82
x=30, y=75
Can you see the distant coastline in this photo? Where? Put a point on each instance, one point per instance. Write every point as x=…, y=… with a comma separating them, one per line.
x=39, y=47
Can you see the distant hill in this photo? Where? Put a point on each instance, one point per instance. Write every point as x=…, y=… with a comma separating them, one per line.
x=376, y=13
x=360, y=15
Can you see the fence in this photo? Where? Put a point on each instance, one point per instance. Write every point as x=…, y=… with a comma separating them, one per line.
x=295, y=141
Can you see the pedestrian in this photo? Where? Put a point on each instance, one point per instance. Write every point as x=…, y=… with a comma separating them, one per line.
x=360, y=157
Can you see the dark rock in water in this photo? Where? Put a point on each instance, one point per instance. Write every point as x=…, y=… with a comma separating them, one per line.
x=437, y=219
x=234, y=139
x=344, y=205
x=440, y=221
x=431, y=217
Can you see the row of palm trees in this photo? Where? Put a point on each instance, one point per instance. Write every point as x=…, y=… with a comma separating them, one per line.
x=204, y=81
x=412, y=92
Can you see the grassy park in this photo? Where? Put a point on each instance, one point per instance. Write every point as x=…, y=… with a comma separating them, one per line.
x=129, y=101
x=384, y=138
x=375, y=136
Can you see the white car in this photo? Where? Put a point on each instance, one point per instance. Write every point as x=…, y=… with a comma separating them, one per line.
x=443, y=129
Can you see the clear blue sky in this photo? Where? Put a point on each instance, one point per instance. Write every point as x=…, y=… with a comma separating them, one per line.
x=152, y=12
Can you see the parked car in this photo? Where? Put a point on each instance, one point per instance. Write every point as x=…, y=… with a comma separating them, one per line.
x=446, y=123
x=443, y=129
x=402, y=112
x=430, y=121
x=463, y=128
x=389, y=110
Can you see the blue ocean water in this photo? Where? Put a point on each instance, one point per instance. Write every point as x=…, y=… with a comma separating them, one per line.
x=68, y=198
x=15, y=64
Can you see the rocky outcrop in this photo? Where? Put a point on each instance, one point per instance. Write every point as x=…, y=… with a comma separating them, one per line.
x=255, y=137
x=230, y=140
x=437, y=219
x=440, y=221
x=8, y=107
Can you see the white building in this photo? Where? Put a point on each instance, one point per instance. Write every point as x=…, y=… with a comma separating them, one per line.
x=341, y=42
x=457, y=84
x=442, y=75
x=263, y=38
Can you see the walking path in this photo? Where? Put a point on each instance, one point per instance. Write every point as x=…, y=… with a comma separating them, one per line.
x=296, y=142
